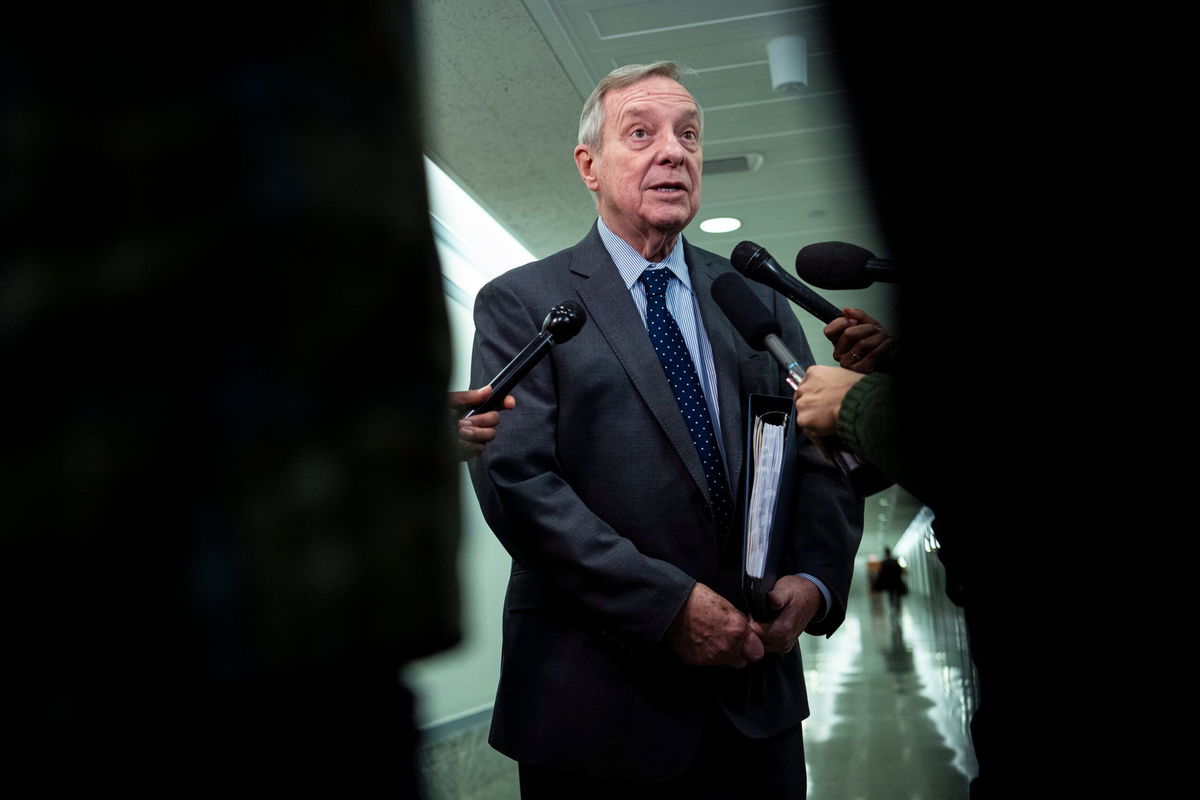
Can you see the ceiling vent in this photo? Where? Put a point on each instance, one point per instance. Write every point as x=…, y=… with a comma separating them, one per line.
x=746, y=163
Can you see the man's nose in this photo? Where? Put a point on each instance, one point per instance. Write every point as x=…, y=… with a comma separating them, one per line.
x=672, y=150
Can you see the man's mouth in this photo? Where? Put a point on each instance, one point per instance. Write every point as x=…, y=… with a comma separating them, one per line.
x=668, y=188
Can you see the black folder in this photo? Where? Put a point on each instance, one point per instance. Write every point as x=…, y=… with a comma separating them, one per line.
x=775, y=410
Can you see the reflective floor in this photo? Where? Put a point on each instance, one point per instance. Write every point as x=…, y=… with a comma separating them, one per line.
x=891, y=696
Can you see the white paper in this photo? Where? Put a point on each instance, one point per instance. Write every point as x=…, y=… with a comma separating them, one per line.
x=768, y=462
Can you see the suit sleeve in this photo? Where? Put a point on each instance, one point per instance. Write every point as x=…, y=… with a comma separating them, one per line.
x=830, y=513
x=538, y=517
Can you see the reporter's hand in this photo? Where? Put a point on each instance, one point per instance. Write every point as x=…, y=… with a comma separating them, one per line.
x=476, y=431
x=798, y=600
x=709, y=631
x=819, y=396
x=859, y=341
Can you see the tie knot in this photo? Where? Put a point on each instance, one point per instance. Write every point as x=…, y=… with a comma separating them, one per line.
x=656, y=279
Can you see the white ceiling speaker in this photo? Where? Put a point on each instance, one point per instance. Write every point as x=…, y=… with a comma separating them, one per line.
x=788, y=58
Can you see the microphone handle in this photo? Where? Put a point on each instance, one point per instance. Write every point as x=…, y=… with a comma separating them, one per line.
x=813, y=303
x=785, y=358
x=516, y=369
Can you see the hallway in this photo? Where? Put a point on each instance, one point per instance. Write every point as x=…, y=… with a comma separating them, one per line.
x=891, y=698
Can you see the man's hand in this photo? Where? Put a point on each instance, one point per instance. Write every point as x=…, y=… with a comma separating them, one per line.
x=859, y=341
x=475, y=432
x=709, y=631
x=798, y=601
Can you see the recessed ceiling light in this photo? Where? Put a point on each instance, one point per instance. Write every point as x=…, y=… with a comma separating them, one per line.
x=720, y=225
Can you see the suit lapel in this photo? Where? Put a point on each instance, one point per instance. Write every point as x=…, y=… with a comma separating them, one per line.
x=611, y=310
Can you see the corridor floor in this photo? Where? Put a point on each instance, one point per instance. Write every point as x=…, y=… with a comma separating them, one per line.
x=891, y=697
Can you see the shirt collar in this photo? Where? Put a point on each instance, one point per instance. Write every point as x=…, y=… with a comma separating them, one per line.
x=630, y=263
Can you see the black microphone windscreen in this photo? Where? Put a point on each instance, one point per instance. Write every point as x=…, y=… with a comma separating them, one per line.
x=757, y=264
x=747, y=313
x=745, y=257
x=834, y=265
x=564, y=320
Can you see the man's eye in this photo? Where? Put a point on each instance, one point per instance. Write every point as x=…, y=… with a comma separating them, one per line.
x=640, y=133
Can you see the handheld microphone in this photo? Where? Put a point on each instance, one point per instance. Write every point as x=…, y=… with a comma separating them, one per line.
x=761, y=331
x=756, y=264
x=838, y=265
x=755, y=323
x=563, y=322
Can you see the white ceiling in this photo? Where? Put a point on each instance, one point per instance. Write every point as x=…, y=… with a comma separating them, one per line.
x=503, y=82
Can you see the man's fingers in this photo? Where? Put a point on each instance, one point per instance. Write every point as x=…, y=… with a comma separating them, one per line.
x=753, y=648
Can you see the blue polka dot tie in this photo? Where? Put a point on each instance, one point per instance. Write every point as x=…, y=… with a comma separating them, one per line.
x=681, y=374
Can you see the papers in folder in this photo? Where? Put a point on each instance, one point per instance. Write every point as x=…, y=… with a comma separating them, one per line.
x=768, y=496
x=768, y=440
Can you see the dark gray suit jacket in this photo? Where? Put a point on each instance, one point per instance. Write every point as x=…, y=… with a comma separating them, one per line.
x=595, y=488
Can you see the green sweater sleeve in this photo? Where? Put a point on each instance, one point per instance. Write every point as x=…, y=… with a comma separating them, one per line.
x=868, y=423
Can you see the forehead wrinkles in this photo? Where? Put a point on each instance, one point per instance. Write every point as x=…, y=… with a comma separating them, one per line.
x=642, y=101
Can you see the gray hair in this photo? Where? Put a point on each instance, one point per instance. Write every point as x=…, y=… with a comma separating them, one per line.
x=591, y=121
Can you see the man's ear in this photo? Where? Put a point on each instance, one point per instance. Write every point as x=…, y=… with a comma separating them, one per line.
x=585, y=162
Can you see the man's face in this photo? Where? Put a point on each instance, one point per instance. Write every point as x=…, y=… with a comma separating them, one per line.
x=647, y=174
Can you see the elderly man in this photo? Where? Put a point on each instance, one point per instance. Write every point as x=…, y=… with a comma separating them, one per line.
x=629, y=667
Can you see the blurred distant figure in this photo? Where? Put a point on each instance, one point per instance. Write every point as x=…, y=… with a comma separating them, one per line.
x=891, y=580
